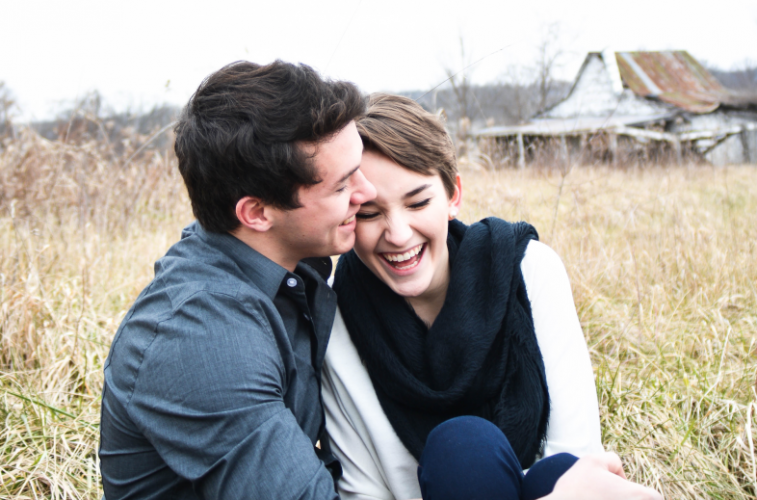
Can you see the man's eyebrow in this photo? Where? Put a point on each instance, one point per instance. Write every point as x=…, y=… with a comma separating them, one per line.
x=416, y=191
x=347, y=176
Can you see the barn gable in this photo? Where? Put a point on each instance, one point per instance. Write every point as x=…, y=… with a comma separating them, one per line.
x=596, y=94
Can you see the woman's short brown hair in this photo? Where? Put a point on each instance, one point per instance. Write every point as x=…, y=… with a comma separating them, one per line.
x=400, y=129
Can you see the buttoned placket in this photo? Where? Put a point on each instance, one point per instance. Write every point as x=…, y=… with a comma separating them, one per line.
x=296, y=290
x=297, y=293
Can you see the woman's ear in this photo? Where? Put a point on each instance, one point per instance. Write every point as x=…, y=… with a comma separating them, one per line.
x=254, y=214
x=457, y=198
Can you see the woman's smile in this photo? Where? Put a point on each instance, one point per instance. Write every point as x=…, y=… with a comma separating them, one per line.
x=404, y=261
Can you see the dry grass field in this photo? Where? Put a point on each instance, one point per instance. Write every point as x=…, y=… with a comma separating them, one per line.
x=663, y=263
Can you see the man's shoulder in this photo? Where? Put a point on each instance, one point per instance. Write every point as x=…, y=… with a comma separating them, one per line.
x=191, y=277
x=198, y=294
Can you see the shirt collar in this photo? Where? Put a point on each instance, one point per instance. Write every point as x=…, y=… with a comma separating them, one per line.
x=265, y=273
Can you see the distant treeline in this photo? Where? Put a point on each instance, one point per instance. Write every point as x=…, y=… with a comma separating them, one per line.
x=741, y=79
x=491, y=104
x=473, y=106
x=89, y=120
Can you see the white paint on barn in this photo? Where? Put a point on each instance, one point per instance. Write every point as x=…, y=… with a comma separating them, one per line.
x=595, y=94
x=738, y=148
x=715, y=121
x=608, y=56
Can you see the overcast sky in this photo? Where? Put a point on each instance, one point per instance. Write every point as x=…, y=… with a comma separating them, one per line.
x=141, y=53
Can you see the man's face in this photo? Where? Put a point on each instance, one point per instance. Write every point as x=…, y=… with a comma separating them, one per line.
x=325, y=223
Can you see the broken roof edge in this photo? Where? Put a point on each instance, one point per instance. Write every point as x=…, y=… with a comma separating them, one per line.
x=741, y=100
x=571, y=126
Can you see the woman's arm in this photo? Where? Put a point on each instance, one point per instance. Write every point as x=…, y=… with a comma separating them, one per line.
x=375, y=463
x=574, y=411
x=361, y=479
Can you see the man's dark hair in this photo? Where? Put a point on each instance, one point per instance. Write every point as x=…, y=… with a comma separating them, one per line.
x=238, y=136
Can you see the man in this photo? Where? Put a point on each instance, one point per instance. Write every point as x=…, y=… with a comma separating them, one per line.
x=212, y=385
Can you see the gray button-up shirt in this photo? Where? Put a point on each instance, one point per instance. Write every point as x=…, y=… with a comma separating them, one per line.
x=212, y=385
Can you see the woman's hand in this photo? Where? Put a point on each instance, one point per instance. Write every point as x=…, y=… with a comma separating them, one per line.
x=599, y=477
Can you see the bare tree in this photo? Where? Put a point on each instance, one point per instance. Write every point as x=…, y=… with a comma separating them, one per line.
x=7, y=110
x=520, y=93
x=519, y=80
x=549, y=52
x=459, y=79
x=741, y=77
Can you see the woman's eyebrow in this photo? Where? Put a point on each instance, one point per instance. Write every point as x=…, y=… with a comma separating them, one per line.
x=415, y=191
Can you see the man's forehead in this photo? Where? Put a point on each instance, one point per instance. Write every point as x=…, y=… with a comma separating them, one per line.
x=338, y=157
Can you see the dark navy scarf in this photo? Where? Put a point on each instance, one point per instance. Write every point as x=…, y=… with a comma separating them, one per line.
x=480, y=357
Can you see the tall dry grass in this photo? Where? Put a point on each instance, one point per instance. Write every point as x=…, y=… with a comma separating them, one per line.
x=662, y=261
x=79, y=231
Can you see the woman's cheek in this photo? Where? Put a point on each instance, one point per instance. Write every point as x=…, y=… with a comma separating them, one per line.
x=365, y=240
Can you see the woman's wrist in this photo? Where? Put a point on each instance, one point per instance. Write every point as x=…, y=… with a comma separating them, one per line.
x=599, y=477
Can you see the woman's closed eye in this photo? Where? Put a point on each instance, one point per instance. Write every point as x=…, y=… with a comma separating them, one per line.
x=366, y=215
x=420, y=204
x=373, y=215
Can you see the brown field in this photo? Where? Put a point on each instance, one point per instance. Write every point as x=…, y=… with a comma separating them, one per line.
x=663, y=263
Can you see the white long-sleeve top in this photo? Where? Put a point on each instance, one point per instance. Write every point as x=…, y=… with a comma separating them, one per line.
x=375, y=462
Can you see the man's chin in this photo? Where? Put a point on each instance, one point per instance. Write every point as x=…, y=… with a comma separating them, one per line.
x=344, y=246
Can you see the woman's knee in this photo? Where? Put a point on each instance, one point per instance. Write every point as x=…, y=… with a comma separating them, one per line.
x=464, y=429
x=469, y=457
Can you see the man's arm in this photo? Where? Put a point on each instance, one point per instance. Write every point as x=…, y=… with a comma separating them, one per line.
x=209, y=398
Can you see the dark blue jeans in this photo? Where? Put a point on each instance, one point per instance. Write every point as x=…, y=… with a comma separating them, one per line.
x=470, y=458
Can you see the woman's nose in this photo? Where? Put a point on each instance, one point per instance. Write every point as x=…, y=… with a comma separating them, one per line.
x=398, y=232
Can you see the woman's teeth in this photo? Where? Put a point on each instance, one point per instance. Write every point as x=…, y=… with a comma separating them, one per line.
x=402, y=257
x=347, y=221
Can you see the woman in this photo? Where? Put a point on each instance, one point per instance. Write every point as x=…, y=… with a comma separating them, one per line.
x=440, y=320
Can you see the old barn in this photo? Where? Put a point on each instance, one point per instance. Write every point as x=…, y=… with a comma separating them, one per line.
x=636, y=107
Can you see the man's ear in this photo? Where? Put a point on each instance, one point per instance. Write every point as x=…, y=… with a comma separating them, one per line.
x=457, y=198
x=254, y=214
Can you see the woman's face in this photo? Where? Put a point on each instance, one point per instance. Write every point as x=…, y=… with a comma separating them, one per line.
x=402, y=235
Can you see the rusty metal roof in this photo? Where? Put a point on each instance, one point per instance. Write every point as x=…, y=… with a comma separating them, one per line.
x=673, y=77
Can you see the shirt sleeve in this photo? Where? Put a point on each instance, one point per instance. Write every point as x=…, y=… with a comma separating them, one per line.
x=375, y=463
x=211, y=403
x=574, y=411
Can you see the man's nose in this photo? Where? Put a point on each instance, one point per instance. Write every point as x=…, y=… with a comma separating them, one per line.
x=364, y=190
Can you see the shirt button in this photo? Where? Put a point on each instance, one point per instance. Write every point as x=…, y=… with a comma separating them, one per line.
x=292, y=282
x=306, y=317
